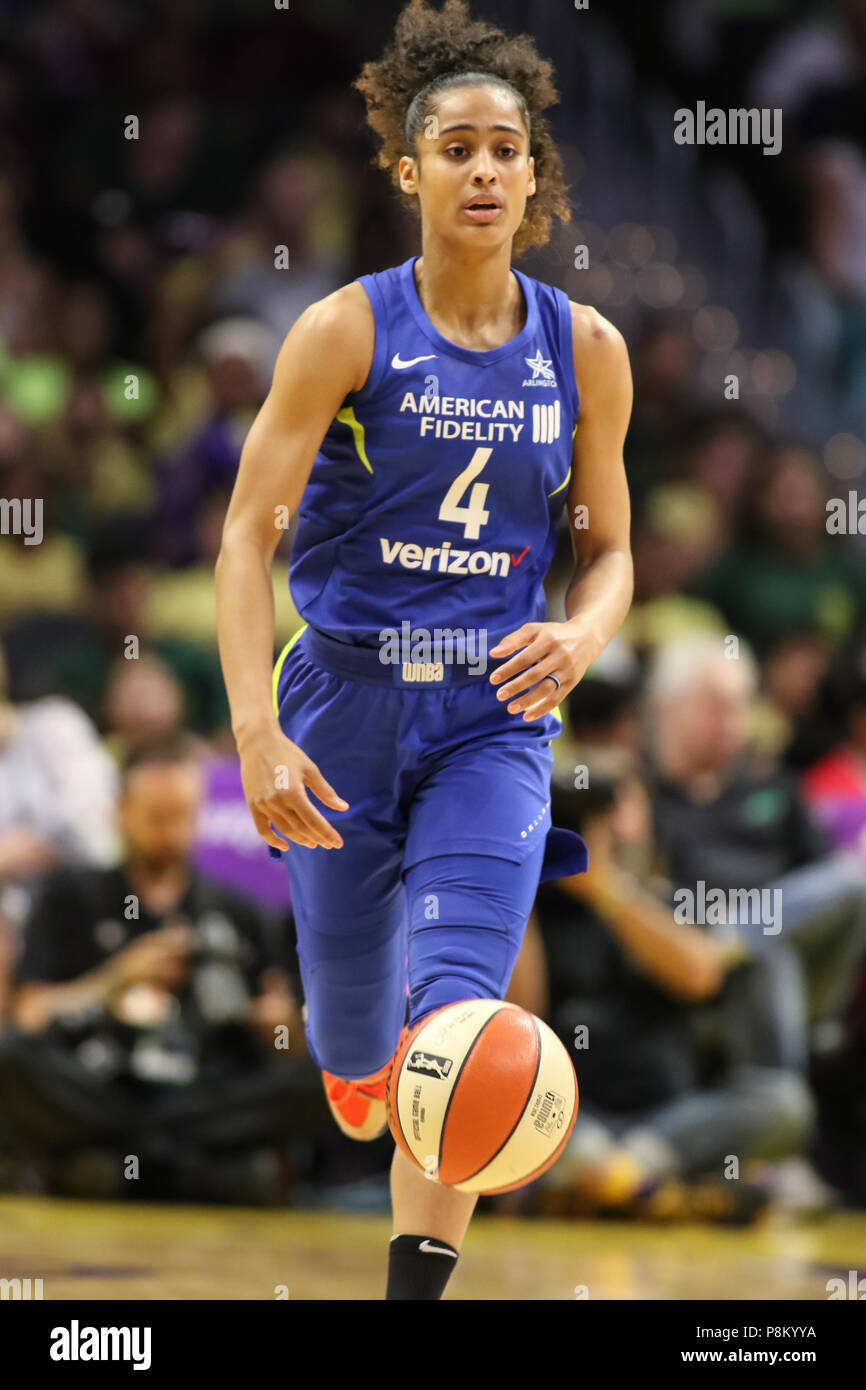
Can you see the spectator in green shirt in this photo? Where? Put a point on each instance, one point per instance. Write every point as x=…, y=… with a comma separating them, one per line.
x=787, y=572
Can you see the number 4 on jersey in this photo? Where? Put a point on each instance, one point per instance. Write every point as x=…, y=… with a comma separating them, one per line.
x=474, y=516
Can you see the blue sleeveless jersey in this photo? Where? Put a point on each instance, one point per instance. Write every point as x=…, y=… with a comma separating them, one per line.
x=435, y=494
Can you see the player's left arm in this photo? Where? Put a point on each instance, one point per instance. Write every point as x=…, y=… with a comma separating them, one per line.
x=599, y=513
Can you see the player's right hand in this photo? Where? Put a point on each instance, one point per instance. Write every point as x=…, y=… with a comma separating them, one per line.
x=275, y=773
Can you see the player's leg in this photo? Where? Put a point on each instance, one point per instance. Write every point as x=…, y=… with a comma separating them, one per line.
x=467, y=918
x=349, y=904
x=352, y=954
x=441, y=1212
x=430, y=1221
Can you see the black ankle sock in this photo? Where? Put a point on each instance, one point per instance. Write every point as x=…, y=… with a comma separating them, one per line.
x=419, y=1267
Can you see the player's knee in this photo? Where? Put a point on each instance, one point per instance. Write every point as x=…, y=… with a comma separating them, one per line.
x=356, y=1007
x=452, y=963
x=353, y=1055
x=467, y=916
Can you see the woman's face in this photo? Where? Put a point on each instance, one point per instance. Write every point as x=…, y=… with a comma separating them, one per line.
x=793, y=505
x=707, y=723
x=473, y=146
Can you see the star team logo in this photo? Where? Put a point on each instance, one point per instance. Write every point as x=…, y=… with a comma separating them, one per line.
x=542, y=374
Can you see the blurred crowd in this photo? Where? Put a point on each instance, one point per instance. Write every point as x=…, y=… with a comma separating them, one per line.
x=149, y=990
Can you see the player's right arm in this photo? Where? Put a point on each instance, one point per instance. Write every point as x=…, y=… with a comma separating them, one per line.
x=326, y=356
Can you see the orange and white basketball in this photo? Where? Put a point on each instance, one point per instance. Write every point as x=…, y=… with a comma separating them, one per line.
x=482, y=1096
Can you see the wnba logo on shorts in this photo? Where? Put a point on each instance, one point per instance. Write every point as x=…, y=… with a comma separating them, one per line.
x=422, y=671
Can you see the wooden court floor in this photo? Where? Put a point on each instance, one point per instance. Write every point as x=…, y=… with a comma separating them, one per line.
x=87, y=1251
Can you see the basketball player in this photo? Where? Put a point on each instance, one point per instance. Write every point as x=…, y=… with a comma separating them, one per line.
x=423, y=421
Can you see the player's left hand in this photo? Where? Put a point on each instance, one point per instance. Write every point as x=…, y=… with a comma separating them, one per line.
x=543, y=649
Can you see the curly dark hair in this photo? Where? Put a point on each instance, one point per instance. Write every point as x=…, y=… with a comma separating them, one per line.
x=435, y=50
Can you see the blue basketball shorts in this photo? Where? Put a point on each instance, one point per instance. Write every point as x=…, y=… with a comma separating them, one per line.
x=447, y=836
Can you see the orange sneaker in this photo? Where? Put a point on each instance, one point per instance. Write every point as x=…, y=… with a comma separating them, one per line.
x=359, y=1106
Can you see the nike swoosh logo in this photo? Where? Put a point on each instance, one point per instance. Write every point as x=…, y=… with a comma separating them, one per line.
x=397, y=362
x=435, y=1249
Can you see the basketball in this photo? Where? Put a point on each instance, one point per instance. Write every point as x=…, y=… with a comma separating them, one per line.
x=482, y=1096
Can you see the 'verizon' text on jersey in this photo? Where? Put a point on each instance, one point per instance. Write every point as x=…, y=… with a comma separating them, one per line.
x=435, y=494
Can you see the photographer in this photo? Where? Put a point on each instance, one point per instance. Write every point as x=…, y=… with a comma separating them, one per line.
x=153, y=1018
x=682, y=1056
